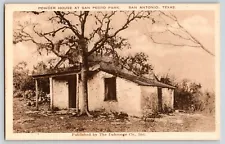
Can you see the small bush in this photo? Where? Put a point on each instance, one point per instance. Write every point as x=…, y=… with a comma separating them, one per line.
x=55, y=109
x=29, y=94
x=122, y=115
x=18, y=94
x=167, y=109
x=119, y=115
x=151, y=115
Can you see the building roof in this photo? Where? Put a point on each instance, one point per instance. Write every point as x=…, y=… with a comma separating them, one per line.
x=144, y=81
x=108, y=68
x=57, y=72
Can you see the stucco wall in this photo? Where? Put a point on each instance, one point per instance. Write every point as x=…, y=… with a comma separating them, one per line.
x=149, y=99
x=60, y=93
x=131, y=98
x=128, y=95
x=167, y=98
x=96, y=91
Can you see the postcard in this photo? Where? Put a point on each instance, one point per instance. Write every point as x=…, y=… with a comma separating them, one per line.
x=112, y=72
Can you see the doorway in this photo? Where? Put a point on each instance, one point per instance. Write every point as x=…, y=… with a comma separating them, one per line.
x=159, y=99
x=72, y=91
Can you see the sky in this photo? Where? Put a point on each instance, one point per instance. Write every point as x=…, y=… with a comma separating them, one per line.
x=182, y=62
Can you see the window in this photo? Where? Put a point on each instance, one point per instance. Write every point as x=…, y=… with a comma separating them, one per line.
x=110, y=89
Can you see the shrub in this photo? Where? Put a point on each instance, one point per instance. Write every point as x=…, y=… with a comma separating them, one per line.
x=18, y=94
x=29, y=94
x=189, y=96
x=122, y=115
x=167, y=109
x=55, y=109
x=23, y=82
x=21, y=79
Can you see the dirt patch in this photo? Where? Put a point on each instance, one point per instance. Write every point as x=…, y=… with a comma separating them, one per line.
x=27, y=120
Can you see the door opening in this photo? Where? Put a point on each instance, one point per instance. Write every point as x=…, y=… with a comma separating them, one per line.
x=160, y=99
x=72, y=91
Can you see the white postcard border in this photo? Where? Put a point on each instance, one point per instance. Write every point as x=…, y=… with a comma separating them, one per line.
x=10, y=8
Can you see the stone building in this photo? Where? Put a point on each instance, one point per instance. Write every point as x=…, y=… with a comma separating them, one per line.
x=109, y=89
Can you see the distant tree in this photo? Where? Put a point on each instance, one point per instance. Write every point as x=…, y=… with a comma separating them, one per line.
x=21, y=79
x=138, y=64
x=189, y=95
x=43, y=67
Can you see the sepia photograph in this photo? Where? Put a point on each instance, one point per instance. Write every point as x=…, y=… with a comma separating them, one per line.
x=112, y=71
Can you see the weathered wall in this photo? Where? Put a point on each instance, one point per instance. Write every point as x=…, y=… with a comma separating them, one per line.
x=60, y=93
x=96, y=91
x=131, y=98
x=149, y=99
x=167, y=98
x=128, y=95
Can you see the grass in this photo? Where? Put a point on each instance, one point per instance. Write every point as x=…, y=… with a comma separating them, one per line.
x=24, y=122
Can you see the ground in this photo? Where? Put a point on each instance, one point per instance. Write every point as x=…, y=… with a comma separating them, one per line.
x=27, y=120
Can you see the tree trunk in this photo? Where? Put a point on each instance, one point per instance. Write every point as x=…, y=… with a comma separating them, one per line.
x=84, y=80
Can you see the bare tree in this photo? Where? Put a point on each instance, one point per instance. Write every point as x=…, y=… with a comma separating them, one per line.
x=171, y=25
x=102, y=38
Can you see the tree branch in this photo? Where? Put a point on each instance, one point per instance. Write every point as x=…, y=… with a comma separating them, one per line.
x=131, y=17
x=73, y=28
x=171, y=44
x=192, y=38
